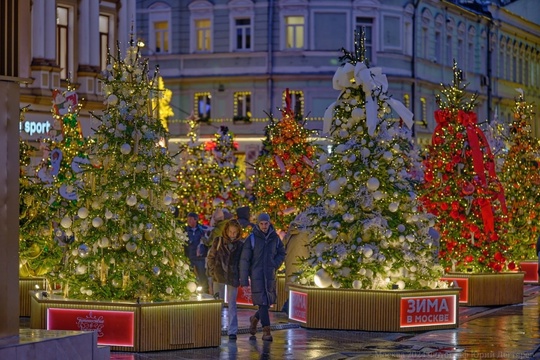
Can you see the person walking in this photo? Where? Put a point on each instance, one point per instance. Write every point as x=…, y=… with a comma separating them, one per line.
x=223, y=266
x=196, y=251
x=262, y=255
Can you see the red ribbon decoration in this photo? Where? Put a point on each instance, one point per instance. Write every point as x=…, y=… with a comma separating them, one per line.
x=469, y=120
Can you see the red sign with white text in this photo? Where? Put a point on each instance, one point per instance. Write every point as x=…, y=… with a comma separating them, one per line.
x=427, y=311
x=114, y=328
x=298, y=305
x=462, y=283
x=531, y=271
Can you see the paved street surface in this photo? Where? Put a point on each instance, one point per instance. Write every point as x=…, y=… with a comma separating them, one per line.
x=505, y=332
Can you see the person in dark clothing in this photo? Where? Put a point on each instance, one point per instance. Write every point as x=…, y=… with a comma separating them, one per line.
x=262, y=255
x=538, y=253
x=223, y=265
x=196, y=251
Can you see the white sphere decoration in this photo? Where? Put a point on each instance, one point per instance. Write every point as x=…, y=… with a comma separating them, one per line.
x=82, y=213
x=125, y=148
x=143, y=192
x=66, y=222
x=167, y=200
x=81, y=269
x=401, y=228
x=322, y=279
x=373, y=184
x=97, y=222
x=336, y=284
x=357, y=284
x=125, y=237
x=303, y=281
x=400, y=284
x=368, y=252
x=393, y=206
x=334, y=188
x=112, y=99
x=108, y=214
x=169, y=290
x=377, y=195
x=358, y=113
x=104, y=242
x=388, y=155
x=131, y=246
x=191, y=286
x=131, y=200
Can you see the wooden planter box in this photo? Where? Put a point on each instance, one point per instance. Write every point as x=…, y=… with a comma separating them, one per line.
x=530, y=268
x=486, y=289
x=26, y=285
x=127, y=326
x=374, y=310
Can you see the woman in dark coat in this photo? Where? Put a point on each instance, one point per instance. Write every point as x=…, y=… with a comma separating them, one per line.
x=224, y=267
x=262, y=255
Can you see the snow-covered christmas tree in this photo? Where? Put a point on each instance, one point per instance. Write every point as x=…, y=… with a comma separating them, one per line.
x=368, y=230
x=126, y=244
x=520, y=176
x=462, y=189
x=284, y=170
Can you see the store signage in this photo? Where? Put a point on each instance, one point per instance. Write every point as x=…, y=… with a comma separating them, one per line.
x=298, y=303
x=427, y=311
x=35, y=127
x=113, y=328
x=462, y=283
x=531, y=271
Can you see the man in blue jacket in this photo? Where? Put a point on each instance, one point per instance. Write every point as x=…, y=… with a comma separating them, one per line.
x=196, y=251
x=262, y=255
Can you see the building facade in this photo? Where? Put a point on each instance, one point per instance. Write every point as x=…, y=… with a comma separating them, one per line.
x=66, y=42
x=230, y=62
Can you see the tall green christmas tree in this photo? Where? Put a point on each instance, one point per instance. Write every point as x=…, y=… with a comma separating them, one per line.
x=462, y=189
x=368, y=230
x=521, y=181
x=232, y=188
x=284, y=171
x=126, y=244
x=198, y=177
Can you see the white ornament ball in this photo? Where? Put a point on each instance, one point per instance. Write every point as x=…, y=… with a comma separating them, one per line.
x=66, y=222
x=393, y=206
x=125, y=149
x=400, y=284
x=373, y=184
x=169, y=290
x=336, y=284
x=82, y=213
x=322, y=279
x=104, y=242
x=357, y=284
x=131, y=246
x=377, y=195
x=167, y=200
x=112, y=99
x=97, y=222
x=108, y=214
x=131, y=200
x=191, y=286
x=334, y=188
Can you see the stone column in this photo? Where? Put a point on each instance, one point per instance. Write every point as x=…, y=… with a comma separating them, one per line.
x=9, y=168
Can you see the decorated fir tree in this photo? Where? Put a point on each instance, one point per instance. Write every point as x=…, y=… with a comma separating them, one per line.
x=520, y=177
x=39, y=254
x=284, y=171
x=231, y=187
x=126, y=244
x=367, y=229
x=198, y=177
x=462, y=189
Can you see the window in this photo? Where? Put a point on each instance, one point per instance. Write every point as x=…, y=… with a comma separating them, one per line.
x=203, y=105
x=502, y=52
x=62, y=41
x=243, y=34
x=438, y=47
x=367, y=24
x=242, y=105
x=392, y=32
x=161, y=36
x=294, y=32
x=449, y=55
x=297, y=102
x=204, y=35
x=460, y=54
x=104, y=40
x=470, y=60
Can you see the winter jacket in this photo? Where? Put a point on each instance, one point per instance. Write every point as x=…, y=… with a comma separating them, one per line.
x=224, y=261
x=262, y=255
x=194, y=239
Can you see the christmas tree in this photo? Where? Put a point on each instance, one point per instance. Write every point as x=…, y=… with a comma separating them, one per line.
x=38, y=252
x=126, y=244
x=521, y=182
x=368, y=231
x=462, y=189
x=284, y=171
x=232, y=189
x=198, y=177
